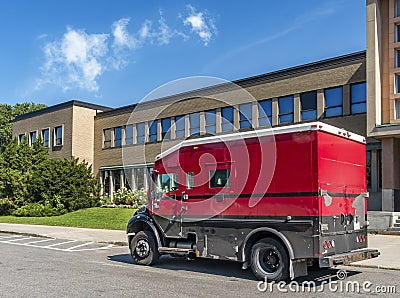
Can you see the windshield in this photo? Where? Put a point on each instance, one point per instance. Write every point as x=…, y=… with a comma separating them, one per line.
x=167, y=182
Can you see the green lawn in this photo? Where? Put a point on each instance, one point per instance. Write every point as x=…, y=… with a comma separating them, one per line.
x=97, y=218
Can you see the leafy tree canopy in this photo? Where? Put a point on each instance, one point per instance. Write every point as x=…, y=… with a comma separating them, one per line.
x=8, y=114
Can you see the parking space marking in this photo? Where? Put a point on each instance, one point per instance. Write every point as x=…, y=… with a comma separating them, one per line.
x=55, y=244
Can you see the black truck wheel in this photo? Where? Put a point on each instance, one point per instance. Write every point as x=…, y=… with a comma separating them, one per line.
x=144, y=249
x=269, y=260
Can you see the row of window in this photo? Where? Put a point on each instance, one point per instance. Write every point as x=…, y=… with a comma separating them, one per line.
x=136, y=133
x=45, y=136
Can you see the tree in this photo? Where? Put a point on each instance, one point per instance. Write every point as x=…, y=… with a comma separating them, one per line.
x=8, y=114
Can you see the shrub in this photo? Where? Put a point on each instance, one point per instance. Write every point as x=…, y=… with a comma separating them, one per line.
x=135, y=198
x=6, y=207
x=37, y=210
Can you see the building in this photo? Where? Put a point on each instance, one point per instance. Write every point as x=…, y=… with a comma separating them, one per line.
x=383, y=77
x=122, y=143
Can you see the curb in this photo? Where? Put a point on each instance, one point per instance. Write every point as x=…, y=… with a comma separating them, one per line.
x=375, y=267
x=116, y=243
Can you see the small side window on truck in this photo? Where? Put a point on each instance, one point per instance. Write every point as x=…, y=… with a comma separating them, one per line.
x=220, y=178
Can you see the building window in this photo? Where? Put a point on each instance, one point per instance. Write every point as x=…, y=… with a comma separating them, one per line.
x=129, y=135
x=107, y=138
x=21, y=138
x=190, y=180
x=285, y=105
x=58, y=136
x=118, y=136
x=166, y=128
x=265, y=113
x=180, y=127
x=227, y=119
x=153, y=131
x=397, y=58
x=397, y=109
x=32, y=137
x=194, y=120
x=358, y=97
x=397, y=33
x=308, y=101
x=140, y=133
x=219, y=178
x=397, y=8
x=46, y=137
x=245, y=111
x=211, y=121
x=333, y=101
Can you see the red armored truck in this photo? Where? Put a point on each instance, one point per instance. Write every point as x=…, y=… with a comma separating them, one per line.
x=277, y=200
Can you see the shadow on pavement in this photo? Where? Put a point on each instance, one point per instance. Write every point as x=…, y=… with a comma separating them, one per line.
x=229, y=268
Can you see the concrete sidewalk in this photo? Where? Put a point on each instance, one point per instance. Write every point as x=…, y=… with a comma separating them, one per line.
x=388, y=245
x=79, y=234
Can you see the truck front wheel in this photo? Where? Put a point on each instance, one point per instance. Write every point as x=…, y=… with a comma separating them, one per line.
x=269, y=260
x=144, y=248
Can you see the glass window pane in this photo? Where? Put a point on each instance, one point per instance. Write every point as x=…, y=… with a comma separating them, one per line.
x=219, y=178
x=194, y=120
x=309, y=115
x=117, y=137
x=107, y=138
x=153, y=131
x=265, y=108
x=166, y=128
x=333, y=97
x=58, y=135
x=288, y=118
x=227, y=118
x=285, y=104
x=245, y=112
x=180, y=126
x=211, y=120
x=398, y=58
x=397, y=33
x=358, y=108
x=308, y=100
x=45, y=137
x=397, y=8
x=358, y=93
x=129, y=135
x=140, y=133
x=331, y=112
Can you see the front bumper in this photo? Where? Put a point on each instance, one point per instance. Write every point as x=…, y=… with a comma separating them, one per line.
x=348, y=257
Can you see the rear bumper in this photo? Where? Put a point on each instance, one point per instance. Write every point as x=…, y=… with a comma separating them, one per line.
x=348, y=257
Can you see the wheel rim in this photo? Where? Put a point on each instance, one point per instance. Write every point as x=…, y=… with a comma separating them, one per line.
x=269, y=260
x=142, y=248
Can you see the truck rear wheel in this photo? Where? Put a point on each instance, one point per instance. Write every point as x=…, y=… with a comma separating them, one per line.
x=269, y=260
x=144, y=249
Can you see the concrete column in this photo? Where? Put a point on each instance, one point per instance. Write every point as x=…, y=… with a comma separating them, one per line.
x=121, y=178
x=123, y=136
x=320, y=103
x=297, y=108
x=102, y=178
x=133, y=179
x=173, y=129
x=275, y=112
x=254, y=114
x=346, y=100
x=218, y=121
x=111, y=184
x=159, y=134
x=187, y=126
x=390, y=174
x=202, y=123
x=236, y=118
x=146, y=131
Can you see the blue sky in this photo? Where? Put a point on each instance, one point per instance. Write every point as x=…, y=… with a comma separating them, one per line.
x=114, y=53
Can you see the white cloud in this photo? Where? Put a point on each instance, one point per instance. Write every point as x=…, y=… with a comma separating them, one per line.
x=78, y=59
x=200, y=24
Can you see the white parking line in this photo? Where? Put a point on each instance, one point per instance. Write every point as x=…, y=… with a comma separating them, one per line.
x=41, y=241
x=60, y=243
x=80, y=245
x=19, y=239
x=8, y=237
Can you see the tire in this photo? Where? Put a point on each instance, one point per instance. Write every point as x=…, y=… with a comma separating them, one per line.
x=144, y=249
x=269, y=260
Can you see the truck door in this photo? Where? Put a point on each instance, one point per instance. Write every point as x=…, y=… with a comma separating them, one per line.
x=166, y=203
